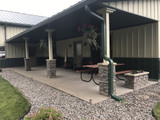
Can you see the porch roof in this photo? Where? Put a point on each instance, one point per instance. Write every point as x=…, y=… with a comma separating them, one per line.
x=66, y=22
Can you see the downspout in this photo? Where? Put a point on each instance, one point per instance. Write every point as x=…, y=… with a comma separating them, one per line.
x=5, y=37
x=5, y=32
x=103, y=26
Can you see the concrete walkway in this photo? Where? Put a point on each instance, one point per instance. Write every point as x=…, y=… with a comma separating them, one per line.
x=69, y=82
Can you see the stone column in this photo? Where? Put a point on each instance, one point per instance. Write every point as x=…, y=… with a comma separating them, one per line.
x=27, y=60
x=27, y=64
x=104, y=67
x=104, y=80
x=105, y=12
x=51, y=68
x=51, y=63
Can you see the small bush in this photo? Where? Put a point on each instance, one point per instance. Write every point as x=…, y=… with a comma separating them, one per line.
x=45, y=114
x=156, y=111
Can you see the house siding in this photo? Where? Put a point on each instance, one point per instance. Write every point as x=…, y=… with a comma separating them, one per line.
x=69, y=44
x=2, y=36
x=12, y=31
x=15, y=50
x=18, y=50
x=146, y=8
x=139, y=47
x=136, y=42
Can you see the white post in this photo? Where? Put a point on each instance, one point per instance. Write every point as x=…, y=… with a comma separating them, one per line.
x=27, y=61
x=65, y=55
x=26, y=48
x=105, y=12
x=50, y=46
x=107, y=34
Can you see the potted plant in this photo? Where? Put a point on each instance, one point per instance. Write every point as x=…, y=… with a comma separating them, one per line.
x=43, y=44
x=90, y=34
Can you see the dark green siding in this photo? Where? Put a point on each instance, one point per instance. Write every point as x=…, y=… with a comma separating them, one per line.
x=11, y=62
x=151, y=65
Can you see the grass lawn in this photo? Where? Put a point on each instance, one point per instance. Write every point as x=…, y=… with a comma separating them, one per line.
x=13, y=104
x=156, y=111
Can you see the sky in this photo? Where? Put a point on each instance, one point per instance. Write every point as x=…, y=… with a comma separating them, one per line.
x=37, y=7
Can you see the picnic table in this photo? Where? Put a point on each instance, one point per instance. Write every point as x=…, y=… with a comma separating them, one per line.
x=96, y=66
x=93, y=69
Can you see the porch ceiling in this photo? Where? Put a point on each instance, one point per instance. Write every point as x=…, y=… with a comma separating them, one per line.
x=121, y=19
x=66, y=26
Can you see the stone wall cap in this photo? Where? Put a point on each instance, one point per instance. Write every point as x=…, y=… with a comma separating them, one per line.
x=104, y=64
x=51, y=60
x=137, y=74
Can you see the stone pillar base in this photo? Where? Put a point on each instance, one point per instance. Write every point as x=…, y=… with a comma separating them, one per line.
x=104, y=88
x=27, y=64
x=51, y=68
x=104, y=80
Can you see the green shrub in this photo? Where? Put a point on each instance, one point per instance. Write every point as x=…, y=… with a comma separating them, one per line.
x=45, y=114
x=156, y=111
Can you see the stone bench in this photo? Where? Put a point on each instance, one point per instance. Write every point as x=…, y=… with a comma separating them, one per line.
x=136, y=81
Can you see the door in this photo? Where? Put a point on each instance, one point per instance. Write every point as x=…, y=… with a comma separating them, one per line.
x=77, y=54
x=32, y=55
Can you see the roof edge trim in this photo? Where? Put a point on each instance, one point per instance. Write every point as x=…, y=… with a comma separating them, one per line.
x=69, y=10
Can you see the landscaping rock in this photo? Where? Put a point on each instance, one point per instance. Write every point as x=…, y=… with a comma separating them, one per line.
x=138, y=105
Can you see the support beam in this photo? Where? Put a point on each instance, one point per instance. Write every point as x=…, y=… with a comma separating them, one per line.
x=65, y=55
x=26, y=47
x=50, y=46
x=106, y=12
x=27, y=60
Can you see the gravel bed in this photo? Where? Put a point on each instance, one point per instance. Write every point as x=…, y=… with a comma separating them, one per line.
x=138, y=105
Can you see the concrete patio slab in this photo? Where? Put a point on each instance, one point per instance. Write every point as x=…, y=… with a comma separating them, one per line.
x=69, y=81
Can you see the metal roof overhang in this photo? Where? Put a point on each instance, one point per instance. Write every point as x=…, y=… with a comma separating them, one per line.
x=15, y=24
x=67, y=22
x=79, y=5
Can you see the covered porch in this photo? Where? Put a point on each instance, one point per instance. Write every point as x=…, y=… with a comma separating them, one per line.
x=65, y=44
x=68, y=47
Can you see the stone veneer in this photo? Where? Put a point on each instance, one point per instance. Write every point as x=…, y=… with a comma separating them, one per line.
x=104, y=80
x=136, y=81
x=51, y=68
x=27, y=64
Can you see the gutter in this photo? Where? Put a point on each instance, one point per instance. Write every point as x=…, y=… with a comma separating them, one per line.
x=103, y=26
x=16, y=24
